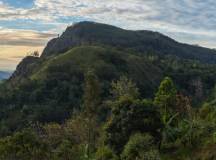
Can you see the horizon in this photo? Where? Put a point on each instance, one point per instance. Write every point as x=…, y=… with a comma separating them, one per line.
x=27, y=25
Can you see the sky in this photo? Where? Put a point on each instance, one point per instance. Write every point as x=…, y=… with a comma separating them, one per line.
x=27, y=25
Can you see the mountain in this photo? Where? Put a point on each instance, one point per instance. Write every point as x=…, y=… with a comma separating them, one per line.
x=129, y=88
x=4, y=75
x=50, y=88
x=54, y=82
x=91, y=33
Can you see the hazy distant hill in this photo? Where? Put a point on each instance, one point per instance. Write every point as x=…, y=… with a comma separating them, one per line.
x=4, y=75
x=89, y=33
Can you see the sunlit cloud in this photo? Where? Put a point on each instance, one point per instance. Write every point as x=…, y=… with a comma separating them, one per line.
x=23, y=37
x=10, y=55
x=15, y=44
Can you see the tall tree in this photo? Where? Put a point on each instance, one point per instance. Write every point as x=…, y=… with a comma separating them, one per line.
x=165, y=98
x=128, y=117
x=91, y=103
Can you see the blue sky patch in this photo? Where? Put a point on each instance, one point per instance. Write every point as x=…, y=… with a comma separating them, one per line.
x=19, y=3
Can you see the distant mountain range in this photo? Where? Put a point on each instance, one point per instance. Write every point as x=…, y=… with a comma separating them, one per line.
x=4, y=75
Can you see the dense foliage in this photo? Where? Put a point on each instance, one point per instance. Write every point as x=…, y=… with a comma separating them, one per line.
x=133, y=128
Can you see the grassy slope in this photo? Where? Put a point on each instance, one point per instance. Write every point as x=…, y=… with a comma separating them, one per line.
x=108, y=63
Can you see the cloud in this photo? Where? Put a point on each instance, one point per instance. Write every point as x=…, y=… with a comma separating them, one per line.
x=128, y=13
x=8, y=64
x=52, y=10
x=15, y=37
x=11, y=55
x=15, y=44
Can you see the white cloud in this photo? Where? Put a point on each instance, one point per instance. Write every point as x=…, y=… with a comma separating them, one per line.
x=195, y=14
x=14, y=44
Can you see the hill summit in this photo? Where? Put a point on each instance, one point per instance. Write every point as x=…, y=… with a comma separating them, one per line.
x=91, y=33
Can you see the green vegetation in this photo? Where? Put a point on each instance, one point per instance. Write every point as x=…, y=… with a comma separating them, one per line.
x=97, y=102
x=133, y=128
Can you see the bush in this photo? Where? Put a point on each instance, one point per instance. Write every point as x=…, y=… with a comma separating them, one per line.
x=104, y=153
x=128, y=117
x=25, y=145
x=68, y=151
x=140, y=146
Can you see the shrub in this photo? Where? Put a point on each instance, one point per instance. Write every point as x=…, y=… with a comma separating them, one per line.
x=140, y=146
x=104, y=153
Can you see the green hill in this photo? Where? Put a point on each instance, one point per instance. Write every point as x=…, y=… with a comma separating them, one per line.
x=50, y=89
x=90, y=33
x=108, y=63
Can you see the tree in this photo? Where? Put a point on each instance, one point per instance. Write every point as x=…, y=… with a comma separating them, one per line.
x=183, y=106
x=91, y=104
x=23, y=145
x=67, y=151
x=91, y=94
x=165, y=98
x=130, y=116
x=124, y=87
x=34, y=54
x=142, y=147
x=54, y=134
x=104, y=153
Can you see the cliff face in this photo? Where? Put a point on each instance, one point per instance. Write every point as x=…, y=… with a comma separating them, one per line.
x=90, y=33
